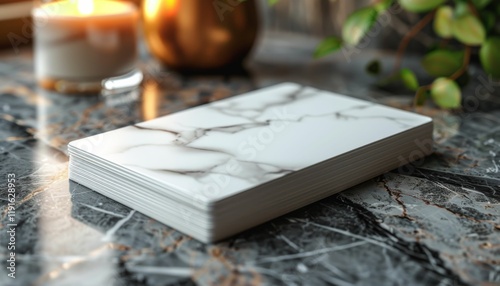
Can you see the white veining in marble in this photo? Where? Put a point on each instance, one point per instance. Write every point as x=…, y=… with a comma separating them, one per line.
x=225, y=147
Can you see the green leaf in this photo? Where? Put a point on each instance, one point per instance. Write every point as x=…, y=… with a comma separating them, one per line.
x=446, y=93
x=358, y=24
x=272, y=2
x=327, y=46
x=409, y=79
x=462, y=8
x=421, y=96
x=373, y=67
x=480, y=4
x=490, y=56
x=469, y=30
x=443, y=22
x=442, y=63
x=420, y=5
x=383, y=5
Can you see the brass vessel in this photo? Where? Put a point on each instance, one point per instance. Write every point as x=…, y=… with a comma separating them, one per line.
x=197, y=35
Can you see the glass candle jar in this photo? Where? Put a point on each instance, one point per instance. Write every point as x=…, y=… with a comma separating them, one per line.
x=83, y=46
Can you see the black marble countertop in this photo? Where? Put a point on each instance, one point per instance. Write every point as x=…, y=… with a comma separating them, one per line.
x=436, y=222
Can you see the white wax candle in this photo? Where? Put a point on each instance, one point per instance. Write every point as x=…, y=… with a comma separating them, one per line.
x=85, y=41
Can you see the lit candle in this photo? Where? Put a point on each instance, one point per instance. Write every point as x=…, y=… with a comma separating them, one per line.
x=80, y=43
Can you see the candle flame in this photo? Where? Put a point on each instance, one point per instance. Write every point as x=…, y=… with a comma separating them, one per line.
x=85, y=7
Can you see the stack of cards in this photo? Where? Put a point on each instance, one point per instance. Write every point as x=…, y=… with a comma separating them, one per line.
x=215, y=170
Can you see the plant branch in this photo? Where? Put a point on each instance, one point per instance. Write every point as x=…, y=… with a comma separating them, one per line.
x=473, y=9
x=409, y=36
x=465, y=64
x=424, y=88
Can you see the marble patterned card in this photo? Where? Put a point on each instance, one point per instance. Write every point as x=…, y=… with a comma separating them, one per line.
x=226, y=147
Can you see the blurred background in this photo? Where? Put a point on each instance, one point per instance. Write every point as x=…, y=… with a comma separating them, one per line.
x=315, y=19
x=320, y=18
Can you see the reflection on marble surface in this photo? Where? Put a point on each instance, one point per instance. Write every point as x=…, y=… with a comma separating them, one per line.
x=435, y=223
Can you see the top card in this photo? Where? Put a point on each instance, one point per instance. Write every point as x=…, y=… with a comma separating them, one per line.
x=226, y=147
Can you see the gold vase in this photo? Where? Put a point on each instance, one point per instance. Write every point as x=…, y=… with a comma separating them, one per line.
x=199, y=35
